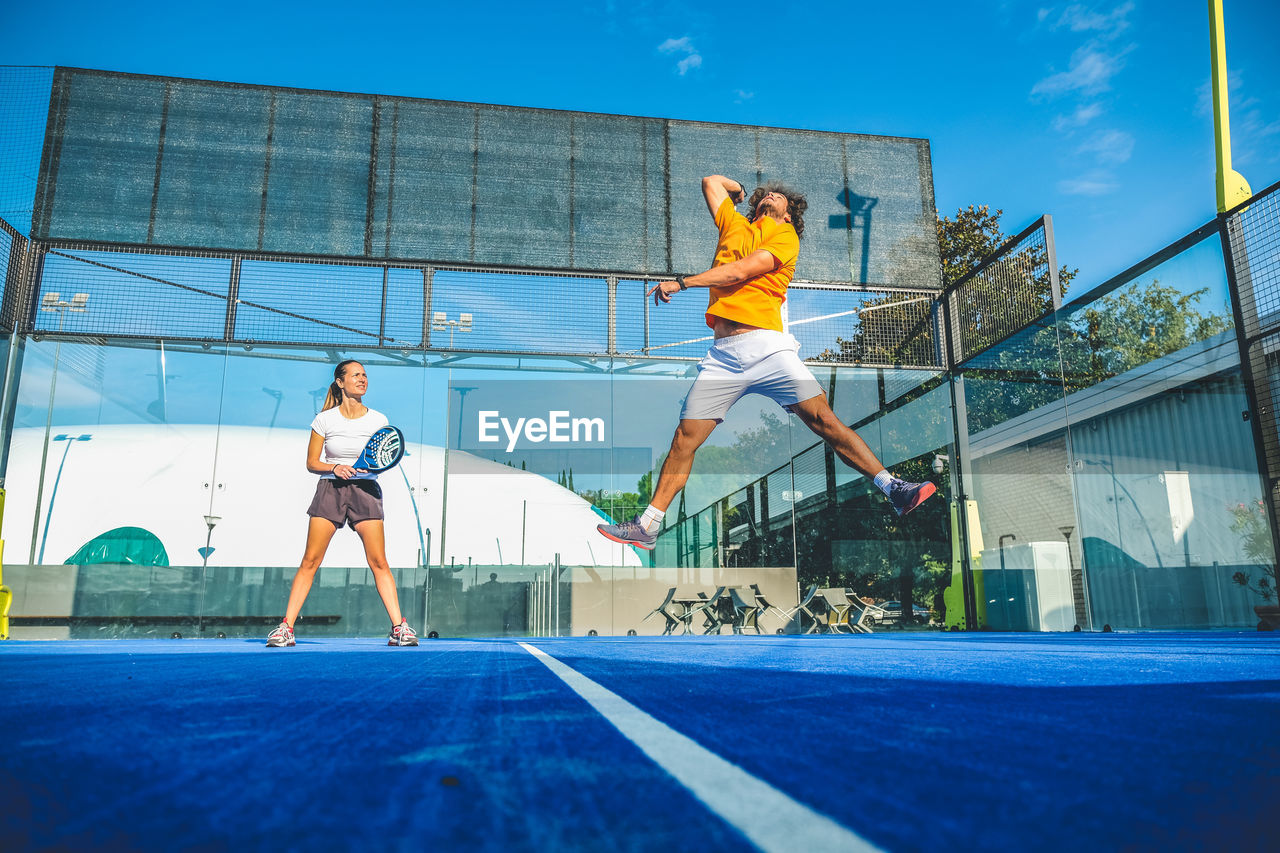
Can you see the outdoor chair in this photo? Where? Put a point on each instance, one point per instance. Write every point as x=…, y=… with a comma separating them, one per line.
x=710, y=611
x=838, y=605
x=765, y=606
x=846, y=611
x=672, y=621
x=689, y=608
x=746, y=614
x=811, y=604
x=861, y=624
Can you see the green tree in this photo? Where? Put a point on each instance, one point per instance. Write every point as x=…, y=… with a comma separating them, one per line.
x=620, y=505
x=1125, y=329
x=1011, y=291
x=967, y=240
x=1131, y=327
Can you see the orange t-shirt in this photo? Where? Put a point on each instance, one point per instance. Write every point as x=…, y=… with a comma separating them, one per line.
x=757, y=301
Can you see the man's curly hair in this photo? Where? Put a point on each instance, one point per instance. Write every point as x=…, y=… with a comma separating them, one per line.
x=796, y=203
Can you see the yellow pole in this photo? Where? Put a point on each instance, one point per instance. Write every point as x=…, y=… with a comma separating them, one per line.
x=1232, y=187
x=6, y=597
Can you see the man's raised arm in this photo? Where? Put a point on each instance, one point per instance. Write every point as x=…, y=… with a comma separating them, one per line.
x=716, y=188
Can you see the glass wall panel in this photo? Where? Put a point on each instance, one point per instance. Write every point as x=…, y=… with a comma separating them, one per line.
x=1114, y=480
x=1164, y=469
x=848, y=537
x=156, y=487
x=287, y=388
x=111, y=466
x=1014, y=456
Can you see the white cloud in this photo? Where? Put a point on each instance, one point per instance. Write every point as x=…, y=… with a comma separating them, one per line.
x=72, y=393
x=1082, y=116
x=1236, y=99
x=740, y=96
x=1093, y=184
x=1089, y=73
x=1109, y=146
x=682, y=47
x=1080, y=19
x=1251, y=141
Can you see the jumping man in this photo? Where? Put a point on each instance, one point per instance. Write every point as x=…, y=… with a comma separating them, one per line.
x=754, y=263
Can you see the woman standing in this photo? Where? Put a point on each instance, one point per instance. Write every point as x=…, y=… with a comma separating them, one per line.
x=344, y=495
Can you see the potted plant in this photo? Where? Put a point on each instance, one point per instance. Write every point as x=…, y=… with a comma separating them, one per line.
x=1251, y=525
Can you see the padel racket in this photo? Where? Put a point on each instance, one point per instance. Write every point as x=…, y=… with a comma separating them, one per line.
x=383, y=451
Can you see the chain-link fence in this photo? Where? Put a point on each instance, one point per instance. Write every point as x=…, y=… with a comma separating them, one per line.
x=1013, y=287
x=182, y=294
x=1251, y=247
x=24, y=113
x=217, y=218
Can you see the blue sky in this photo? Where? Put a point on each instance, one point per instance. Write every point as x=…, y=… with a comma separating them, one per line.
x=1096, y=113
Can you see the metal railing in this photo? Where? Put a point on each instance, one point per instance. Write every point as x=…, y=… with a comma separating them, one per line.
x=1250, y=236
x=1013, y=287
x=257, y=298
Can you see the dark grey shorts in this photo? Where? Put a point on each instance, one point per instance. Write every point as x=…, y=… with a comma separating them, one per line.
x=347, y=501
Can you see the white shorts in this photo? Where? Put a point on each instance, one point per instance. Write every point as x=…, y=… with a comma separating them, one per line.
x=764, y=362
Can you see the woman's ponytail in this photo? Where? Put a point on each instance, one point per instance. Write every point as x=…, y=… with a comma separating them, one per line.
x=334, y=397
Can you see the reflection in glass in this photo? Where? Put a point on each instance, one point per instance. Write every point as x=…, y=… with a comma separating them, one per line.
x=1107, y=455
x=1108, y=479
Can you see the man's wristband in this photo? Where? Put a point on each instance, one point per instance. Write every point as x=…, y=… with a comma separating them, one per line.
x=680, y=281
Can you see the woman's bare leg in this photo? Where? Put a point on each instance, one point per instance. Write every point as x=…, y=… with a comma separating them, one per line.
x=319, y=532
x=373, y=535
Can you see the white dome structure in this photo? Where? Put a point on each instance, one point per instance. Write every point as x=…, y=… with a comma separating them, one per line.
x=167, y=478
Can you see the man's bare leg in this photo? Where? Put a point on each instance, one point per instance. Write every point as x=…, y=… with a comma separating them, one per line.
x=689, y=436
x=854, y=452
x=848, y=445
x=642, y=531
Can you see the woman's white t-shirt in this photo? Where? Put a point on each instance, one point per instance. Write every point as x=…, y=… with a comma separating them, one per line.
x=344, y=438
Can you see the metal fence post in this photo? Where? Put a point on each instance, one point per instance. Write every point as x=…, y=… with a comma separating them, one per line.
x=1051, y=252
x=613, y=314
x=428, y=281
x=233, y=299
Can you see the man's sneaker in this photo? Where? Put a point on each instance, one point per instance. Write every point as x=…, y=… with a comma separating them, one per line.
x=907, y=496
x=629, y=533
x=281, y=636
x=402, y=635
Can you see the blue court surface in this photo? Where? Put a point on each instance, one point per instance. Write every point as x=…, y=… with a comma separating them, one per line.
x=893, y=742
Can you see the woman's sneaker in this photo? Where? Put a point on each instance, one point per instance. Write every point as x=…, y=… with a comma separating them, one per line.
x=402, y=635
x=281, y=636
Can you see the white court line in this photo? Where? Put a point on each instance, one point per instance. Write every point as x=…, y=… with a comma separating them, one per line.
x=770, y=819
